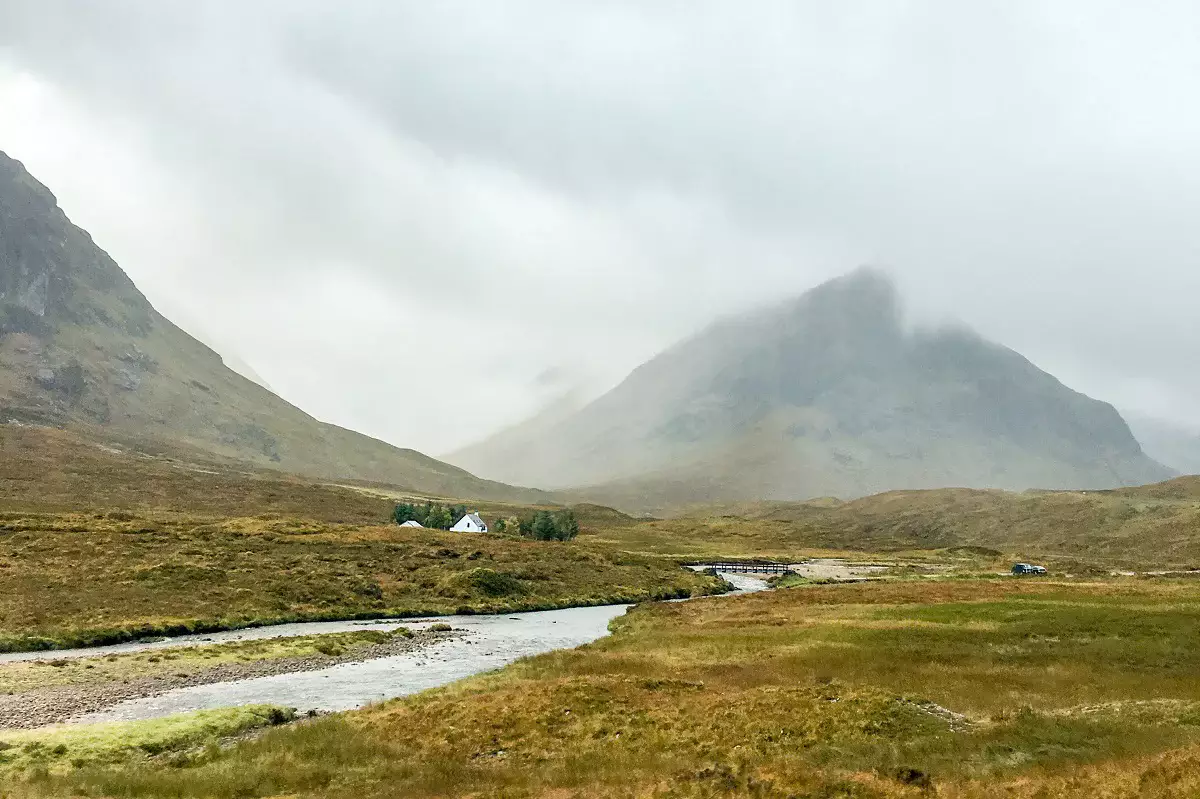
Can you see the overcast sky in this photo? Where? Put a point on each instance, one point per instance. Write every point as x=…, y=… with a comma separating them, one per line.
x=425, y=219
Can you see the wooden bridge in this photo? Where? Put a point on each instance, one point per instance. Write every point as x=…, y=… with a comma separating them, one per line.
x=748, y=567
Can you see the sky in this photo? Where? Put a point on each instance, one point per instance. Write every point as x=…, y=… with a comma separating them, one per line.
x=427, y=220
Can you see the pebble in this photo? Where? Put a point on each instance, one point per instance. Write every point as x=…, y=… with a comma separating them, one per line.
x=59, y=704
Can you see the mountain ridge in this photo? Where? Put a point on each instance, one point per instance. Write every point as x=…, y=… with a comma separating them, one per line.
x=81, y=345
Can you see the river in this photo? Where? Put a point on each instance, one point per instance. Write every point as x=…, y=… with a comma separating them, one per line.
x=490, y=643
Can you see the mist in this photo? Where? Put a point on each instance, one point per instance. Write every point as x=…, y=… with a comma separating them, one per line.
x=426, y=221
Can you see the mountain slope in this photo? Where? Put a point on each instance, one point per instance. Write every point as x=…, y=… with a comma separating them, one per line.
x=828, y=394
x=79, y=344
x=1175, y=445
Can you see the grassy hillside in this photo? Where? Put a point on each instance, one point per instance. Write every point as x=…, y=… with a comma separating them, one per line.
x=49, y=470
x=1150, y=526
x=1000, y=688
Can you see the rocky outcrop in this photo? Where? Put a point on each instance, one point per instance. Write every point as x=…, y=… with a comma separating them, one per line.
x=51, y=272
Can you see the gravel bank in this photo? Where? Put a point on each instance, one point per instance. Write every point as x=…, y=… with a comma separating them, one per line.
x=63, y=703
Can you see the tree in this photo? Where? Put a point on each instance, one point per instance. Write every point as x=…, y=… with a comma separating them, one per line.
x=543, y=526
x=565, y=525
x=439, y=518
x=405, y=512
x=547, y=526
x=501, y=525
x=457, y=512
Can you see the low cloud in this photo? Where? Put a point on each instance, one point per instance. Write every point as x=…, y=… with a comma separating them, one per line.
x=402, y=215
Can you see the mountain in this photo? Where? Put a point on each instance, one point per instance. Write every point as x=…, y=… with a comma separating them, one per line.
x=826, y=395
x=81, y=346
x=1172, y=444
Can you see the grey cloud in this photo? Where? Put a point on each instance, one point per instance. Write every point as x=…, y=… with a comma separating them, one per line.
x=603, y=177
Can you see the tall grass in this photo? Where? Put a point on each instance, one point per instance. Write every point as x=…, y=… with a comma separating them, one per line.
x=88, y=579
x=882, y=690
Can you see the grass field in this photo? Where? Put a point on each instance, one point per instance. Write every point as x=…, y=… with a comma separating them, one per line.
x=82, y=579
x=972, y=688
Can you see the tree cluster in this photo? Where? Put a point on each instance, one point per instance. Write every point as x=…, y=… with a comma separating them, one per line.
x=546, y=526
x=437, y=517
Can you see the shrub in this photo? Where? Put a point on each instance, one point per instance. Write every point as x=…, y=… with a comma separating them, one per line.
x=493, y=583
x=328, y=648
x=371, y=590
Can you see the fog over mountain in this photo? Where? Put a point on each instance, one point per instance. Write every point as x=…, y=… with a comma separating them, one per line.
x=1175, y=445
x=829, y=394
x=427, y=220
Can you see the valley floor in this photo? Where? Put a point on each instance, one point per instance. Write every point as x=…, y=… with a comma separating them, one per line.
x=942, y=676
x=80, y=579
x=970, y=687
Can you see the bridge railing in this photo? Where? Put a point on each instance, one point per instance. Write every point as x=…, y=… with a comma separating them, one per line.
x=749, y=568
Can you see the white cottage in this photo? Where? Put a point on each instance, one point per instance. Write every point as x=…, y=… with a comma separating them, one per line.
x=412, y=523
x=471, y=523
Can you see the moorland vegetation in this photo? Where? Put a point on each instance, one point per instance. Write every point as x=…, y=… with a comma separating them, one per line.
x=966, y=688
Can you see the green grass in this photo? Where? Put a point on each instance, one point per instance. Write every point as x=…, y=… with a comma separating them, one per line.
x=24, y=676
x=974, y=688
x=37, y=754
x=85, y=579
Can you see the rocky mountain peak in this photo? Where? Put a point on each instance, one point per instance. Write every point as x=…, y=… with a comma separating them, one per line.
x=51, y=271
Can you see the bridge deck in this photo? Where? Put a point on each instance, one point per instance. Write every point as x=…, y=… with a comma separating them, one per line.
x=750, y=568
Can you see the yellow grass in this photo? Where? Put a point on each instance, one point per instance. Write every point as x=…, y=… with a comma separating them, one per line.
x=972, y=688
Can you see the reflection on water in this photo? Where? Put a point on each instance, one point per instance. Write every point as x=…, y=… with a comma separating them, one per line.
x=491, y=642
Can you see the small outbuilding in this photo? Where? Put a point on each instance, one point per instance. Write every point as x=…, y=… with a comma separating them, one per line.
x=412, y=523
x=471, y=523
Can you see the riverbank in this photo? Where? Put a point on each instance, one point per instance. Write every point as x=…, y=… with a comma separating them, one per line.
x=163, y=574
x=157, y=679
x=39, y=693
x=970, y=688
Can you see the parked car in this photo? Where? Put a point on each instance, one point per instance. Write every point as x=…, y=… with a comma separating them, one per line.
x=1028, y=568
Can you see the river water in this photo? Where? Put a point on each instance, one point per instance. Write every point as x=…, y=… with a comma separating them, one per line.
x=490, y=642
